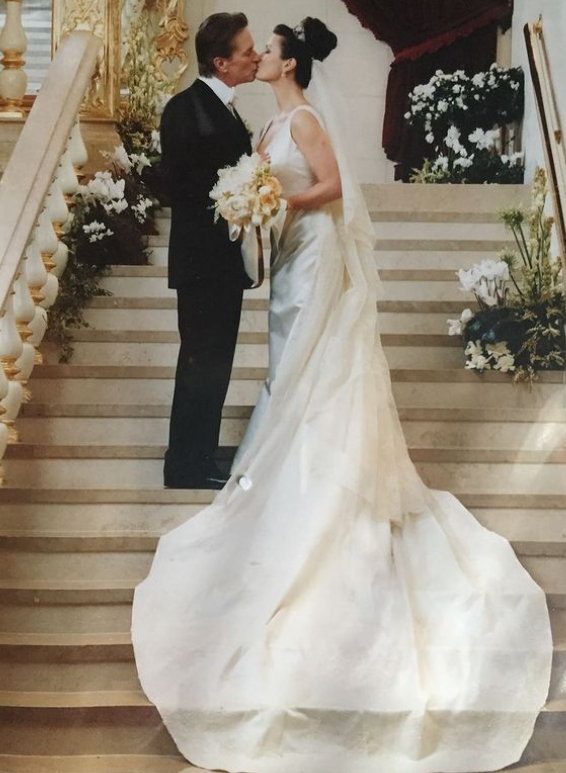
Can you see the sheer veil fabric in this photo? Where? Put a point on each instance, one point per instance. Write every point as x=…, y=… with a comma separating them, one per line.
x=335, y=615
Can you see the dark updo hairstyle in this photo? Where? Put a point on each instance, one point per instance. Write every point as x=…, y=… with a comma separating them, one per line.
x=215, y=37
x=311, y=39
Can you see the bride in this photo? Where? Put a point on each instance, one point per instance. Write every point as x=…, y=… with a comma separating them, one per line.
x=329, y=613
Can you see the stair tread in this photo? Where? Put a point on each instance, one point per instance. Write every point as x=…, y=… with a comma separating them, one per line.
x=64, y=639
x=89, y=450
x=429, y=375
x=103, y=763
x=38, y=409
x=74, y=640
x=126, y=698
x=163, y=764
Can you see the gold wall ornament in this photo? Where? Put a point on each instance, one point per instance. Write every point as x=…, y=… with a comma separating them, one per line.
x=170, y=41
x=102, y=17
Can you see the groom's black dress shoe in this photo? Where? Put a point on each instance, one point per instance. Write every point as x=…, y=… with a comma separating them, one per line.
x=206, y=475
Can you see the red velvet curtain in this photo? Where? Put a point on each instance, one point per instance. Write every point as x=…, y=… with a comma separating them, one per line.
x=427, y=35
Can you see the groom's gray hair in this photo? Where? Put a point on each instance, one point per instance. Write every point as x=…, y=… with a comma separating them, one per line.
x=215, y=37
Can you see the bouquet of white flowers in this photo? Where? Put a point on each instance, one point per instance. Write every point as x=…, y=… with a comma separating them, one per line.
x=248, y=197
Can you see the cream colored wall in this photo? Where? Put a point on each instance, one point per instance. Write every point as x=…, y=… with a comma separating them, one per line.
x=554, y=21
x=360, y=65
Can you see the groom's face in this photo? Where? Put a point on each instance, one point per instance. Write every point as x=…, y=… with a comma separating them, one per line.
x=241, y=66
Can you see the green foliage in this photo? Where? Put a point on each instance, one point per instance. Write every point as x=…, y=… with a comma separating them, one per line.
x=529, y=328
x=77, y=287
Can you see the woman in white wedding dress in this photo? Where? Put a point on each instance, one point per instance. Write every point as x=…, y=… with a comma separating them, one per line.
x=329, y=613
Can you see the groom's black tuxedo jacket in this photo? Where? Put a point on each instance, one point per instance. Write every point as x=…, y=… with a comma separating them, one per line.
x=199, y=136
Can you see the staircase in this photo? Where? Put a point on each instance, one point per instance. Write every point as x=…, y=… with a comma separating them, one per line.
x=84, y=507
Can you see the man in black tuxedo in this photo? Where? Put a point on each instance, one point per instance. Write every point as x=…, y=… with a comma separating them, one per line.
x=201, y=132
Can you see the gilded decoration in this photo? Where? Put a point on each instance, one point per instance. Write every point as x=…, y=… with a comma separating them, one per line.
x=170, y=41
x=103, y=18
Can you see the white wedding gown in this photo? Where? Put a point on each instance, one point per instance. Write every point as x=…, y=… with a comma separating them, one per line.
x=335, y=615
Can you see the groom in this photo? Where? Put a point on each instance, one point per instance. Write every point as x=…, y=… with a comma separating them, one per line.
x=201, y=132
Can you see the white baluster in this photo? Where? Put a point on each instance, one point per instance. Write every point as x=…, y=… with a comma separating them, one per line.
x=36, y=273
x=24, y=312
x=60, y=259
x=13, y=80
x=46, y=239
x=4, y=430
x=77, y=148
x=57, y=207
x=59, y=215
x=49, y=291
x=67, y=177
x=11, y=349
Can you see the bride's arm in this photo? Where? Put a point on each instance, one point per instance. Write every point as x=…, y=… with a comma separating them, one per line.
x=313, y=142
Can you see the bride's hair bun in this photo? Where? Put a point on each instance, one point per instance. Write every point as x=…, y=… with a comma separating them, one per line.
x=319, y=40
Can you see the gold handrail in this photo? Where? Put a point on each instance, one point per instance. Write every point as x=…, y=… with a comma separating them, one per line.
x=549, y=119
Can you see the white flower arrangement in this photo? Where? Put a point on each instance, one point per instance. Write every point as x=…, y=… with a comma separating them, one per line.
x=247, y=195
x=461, y=118
x=521, y=321
x=492, y=357
x=103, y=188
x=487, y=281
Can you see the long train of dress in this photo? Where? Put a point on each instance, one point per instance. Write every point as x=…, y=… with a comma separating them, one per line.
x=334, y=615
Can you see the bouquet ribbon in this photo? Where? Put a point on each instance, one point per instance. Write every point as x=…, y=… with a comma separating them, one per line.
x=252, y=241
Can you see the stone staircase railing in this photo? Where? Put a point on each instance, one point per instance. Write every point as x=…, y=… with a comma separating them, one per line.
x=35, y=191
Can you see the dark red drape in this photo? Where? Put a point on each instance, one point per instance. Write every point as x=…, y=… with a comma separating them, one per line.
x=427, y=35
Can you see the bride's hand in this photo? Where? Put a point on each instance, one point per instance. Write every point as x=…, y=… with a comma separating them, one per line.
x=265, y=158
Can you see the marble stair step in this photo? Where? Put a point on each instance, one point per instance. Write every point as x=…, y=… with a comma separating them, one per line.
x=550, y=412
x=544, y=437
x=63, y=663
x=428, y=260
x=458, y=477
x=146, y=284
x=99, y=451
x=439, y=227
x=396, y=240
x=161, y=324
x=247, y=355
x=407, y=355
x=132, y=726
x=155, y=321
x=133, y=566
x=110, y=763
x=68, y=385
x=106, y=763
x=399, y=306
x=444, y=198
x=402, y=285
x=85, y=526
x=394, y=257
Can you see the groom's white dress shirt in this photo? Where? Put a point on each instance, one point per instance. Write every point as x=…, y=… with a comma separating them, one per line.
x=225, y=93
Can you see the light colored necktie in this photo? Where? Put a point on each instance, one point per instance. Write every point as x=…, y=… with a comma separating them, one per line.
x=231, y=108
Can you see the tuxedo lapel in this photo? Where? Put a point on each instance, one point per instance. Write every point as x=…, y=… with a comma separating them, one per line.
x=222, y=117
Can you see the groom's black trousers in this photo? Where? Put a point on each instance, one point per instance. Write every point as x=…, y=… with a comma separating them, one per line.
x=208, y=318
